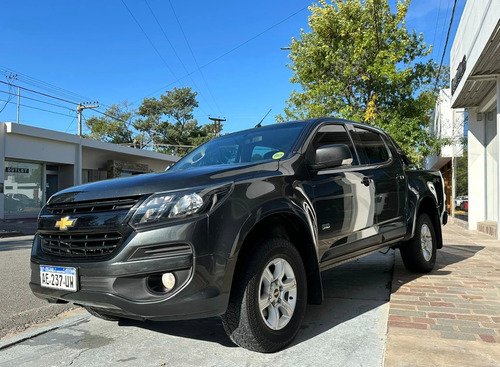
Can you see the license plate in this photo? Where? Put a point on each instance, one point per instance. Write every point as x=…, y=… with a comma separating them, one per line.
x=58, y=277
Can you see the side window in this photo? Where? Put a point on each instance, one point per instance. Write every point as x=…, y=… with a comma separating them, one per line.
x=333, y=134
x=373, y=147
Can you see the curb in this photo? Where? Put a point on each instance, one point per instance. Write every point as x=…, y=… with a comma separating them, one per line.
x=40, y=331
x=10, y=234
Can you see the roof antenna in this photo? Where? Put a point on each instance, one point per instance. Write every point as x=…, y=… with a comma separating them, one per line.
x=260, y=123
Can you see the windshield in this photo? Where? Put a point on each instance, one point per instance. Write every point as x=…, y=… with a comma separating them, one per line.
x=265, y=143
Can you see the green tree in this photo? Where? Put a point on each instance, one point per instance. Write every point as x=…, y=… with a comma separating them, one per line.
x=114, y=126
x=165, y=125
x=360, y=62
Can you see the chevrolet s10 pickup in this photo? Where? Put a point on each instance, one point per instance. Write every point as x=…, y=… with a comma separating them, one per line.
x=240, y=228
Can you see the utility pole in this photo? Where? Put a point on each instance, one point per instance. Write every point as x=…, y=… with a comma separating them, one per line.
x=11, y=78
x=79, y=109
x=217, y=121
x=18, y=102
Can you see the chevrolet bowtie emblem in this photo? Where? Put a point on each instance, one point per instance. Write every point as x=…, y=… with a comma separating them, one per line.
x=65, y=223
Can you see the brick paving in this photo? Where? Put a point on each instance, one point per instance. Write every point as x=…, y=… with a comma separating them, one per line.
x=457, y=305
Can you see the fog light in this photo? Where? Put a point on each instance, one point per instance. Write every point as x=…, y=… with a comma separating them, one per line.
x=168, y=281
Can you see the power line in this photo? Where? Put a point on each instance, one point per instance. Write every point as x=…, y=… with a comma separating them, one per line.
x=52, y=104
x=37, y=100
x=436, y=27
x=43, y=85
x=446, y=44
x=10, y=77
x=34, y=91
x=110, y=116
x=231, y=50
x=175, y=52
x=444, y=24
x=149, y=40
x=194, y=57
x=37, y=108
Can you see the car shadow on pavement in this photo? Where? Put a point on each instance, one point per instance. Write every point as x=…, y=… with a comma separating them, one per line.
x=209, y=330
x=350, y=290
x=448, y=255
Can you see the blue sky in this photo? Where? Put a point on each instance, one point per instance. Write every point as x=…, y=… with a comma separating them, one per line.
x=95, y=51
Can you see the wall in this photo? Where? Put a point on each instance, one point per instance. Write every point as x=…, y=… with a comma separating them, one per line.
x=477, y=170
x=70, y=153
x=477, y=23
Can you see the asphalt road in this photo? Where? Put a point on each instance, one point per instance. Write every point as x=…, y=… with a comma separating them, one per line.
x=19, y=308
x=348, y=329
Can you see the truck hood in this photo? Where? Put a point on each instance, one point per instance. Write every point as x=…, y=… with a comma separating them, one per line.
x=165, y=181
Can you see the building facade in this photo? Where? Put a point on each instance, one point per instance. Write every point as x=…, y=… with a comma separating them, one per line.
x=447, y=123
x=36, y=163
x=475, y=85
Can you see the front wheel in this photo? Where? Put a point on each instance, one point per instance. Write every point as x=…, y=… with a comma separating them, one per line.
x=268, y=298
x=419, y=253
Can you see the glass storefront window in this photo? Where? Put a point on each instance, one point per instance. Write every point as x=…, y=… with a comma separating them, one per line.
x=22, y=188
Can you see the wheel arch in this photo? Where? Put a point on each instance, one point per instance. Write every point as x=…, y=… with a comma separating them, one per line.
x=292, y=228
x=428, y=206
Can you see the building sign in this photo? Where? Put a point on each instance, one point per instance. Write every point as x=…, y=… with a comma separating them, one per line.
x=17, y=170
x=459, y=74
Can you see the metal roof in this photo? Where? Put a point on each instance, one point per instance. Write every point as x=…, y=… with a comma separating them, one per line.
x=482, y=79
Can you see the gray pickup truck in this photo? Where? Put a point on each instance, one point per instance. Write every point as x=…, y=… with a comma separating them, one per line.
x=239, y=228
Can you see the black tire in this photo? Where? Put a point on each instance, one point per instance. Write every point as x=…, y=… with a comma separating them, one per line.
x=102, y=315
x=245, y=323
x=419, y=253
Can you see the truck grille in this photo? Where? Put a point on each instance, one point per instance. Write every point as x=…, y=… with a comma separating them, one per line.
x=80, y=245
x=105, y=205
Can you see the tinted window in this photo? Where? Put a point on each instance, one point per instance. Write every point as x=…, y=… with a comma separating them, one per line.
x=334, y=134
x=373, y=147
x=265, y=143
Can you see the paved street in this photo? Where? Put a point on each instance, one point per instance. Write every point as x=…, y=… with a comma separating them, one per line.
x=348, y=329
x=448, y=318
x=19, y=308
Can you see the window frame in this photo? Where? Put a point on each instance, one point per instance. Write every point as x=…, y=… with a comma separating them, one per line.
x=358, y=143
x=309, y=146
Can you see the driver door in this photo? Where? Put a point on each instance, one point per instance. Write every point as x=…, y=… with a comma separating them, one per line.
x=344, y=198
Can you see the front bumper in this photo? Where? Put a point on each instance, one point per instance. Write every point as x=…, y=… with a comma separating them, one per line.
x=122, y=285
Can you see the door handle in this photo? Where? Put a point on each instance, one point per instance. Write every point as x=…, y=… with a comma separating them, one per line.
x=366, y=181
x=400, y=177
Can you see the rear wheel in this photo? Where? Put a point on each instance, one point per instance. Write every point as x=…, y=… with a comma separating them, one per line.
x=102, y=315
x=268, y=299
x=419, y=253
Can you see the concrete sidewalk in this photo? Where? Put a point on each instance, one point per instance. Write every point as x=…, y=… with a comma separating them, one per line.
x=451, y=316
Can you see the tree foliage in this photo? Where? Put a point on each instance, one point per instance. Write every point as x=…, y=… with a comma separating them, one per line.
x=360, y=62
x=165, y=125
x=115, y=126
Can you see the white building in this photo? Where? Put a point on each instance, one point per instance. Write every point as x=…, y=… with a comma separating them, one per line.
x=35, y=163
x=447, y=123
x=475, y=85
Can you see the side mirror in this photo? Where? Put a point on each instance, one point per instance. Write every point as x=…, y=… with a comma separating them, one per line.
x=330, y=156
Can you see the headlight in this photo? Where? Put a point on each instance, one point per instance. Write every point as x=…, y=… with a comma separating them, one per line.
x=178, y=204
